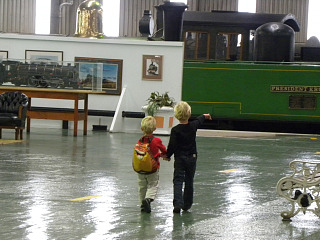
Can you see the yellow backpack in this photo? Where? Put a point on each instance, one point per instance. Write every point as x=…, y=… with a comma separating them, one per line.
x=143, y=160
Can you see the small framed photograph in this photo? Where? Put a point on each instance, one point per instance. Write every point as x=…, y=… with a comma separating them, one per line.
x=111, y=73
x=3, y=55
x=152, y=67
x=39, y=56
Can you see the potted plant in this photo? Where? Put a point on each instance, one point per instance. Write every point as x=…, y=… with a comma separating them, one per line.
x=157, y=101
x=160, y=106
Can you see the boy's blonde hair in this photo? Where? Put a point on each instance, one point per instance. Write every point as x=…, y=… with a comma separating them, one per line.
x=182, y=111
x=148, y=125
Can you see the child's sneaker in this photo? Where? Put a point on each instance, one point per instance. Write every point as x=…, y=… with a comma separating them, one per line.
x=146, y=205
x=186, y=208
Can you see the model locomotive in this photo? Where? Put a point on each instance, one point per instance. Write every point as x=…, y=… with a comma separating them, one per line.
x=38, y=74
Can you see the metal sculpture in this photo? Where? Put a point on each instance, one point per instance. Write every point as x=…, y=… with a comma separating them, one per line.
x=301, y=189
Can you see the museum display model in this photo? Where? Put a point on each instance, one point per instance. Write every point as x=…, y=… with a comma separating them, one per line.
x=47, y=73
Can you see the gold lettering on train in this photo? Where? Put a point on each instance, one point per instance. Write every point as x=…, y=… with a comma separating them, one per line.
x=297, y=89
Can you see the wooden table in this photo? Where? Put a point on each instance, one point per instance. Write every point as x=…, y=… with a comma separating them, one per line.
x=50, y=93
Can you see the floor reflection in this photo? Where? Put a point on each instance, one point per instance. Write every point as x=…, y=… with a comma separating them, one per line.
x=103, y=214
x=238, y=189
x=38, y=211
x=40, y=177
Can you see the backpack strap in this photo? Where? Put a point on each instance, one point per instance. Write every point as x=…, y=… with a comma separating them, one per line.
x=143, y=138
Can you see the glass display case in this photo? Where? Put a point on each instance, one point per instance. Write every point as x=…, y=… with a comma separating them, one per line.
x=47, y=74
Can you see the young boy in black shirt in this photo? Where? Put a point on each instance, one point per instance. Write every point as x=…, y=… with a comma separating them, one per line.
x=182, y=144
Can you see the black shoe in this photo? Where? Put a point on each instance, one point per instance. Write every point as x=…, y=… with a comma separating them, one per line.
x=176, y=210
x=146, y=205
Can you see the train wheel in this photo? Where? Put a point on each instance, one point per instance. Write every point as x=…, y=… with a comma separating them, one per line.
x=54, y=85
x=43, y=84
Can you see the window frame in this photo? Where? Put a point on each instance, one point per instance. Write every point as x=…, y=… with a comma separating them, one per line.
x=196, y=49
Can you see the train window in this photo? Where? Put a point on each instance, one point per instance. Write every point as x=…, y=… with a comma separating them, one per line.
x=228, y=46
x=202, y=52
x=196, y=45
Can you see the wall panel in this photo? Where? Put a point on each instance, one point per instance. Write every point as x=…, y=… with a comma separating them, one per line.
x=209, y=5
x=297, y=7
x=17, y=16
x=127, y=50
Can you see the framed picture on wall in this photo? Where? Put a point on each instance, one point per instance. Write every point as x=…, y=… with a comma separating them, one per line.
x=152, y=67
x=111, y=73
x=39, y=56
x=3, y=55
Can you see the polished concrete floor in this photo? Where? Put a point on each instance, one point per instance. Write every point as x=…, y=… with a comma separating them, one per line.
x=56, y=186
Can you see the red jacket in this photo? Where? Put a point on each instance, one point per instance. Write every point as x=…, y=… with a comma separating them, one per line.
x=156, y=146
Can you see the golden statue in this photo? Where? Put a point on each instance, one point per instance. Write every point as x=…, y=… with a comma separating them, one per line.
x=89, y=20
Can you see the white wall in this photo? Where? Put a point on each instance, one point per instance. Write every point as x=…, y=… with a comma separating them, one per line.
x=130, y=51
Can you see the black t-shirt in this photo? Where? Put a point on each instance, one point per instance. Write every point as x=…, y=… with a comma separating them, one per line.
x=183, y=138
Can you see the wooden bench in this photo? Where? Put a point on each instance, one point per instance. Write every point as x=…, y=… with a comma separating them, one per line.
x=301, y=189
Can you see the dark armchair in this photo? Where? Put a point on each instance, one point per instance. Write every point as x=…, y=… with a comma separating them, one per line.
x=13, y=112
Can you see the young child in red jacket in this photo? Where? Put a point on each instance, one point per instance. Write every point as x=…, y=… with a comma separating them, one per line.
x=149, y=182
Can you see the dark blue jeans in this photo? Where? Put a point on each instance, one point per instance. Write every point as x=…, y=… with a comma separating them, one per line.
x=184, y=170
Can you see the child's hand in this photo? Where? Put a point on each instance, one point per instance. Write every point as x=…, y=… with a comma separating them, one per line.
x=164, y=157
x=207, y=116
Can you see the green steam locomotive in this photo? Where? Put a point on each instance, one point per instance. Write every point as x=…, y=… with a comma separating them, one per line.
x=257, y=79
